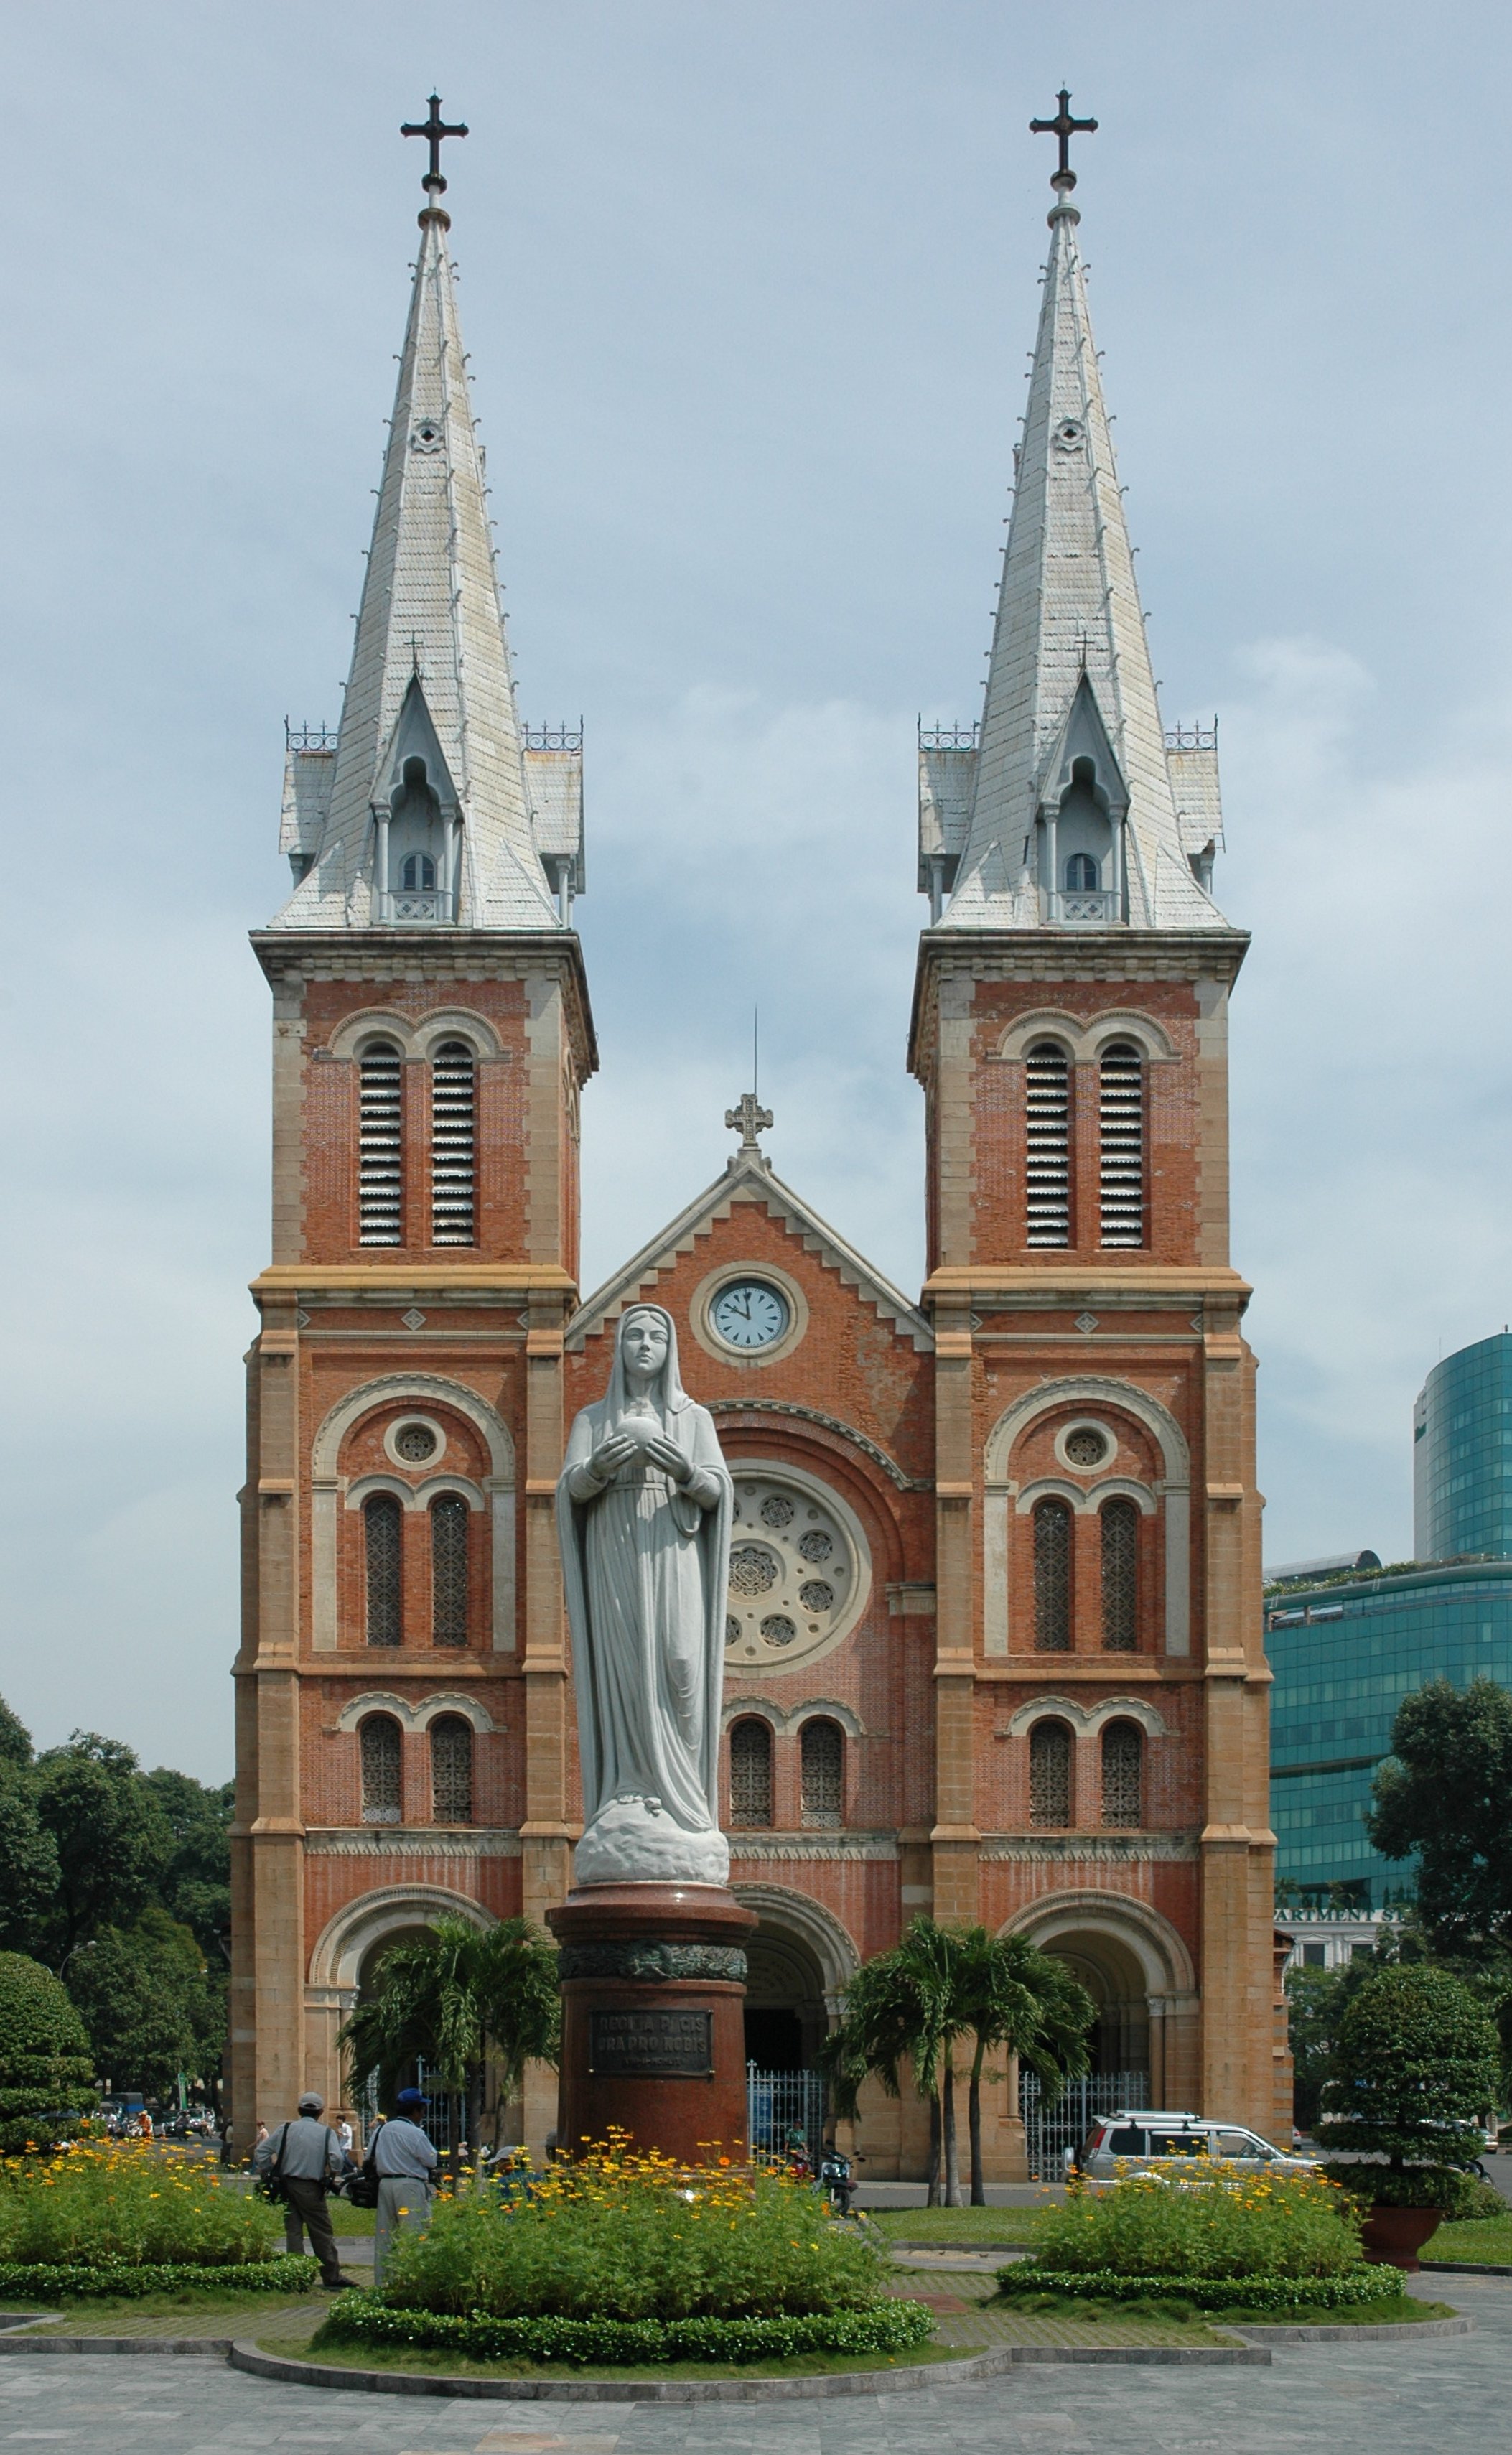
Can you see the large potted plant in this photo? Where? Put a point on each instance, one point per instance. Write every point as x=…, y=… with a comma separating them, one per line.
x=1414, y=2071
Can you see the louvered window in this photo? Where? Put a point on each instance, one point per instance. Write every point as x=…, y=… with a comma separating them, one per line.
x=454, y=1106
x=452, y=1770
x=1122, y=1774
x=1052, y=1535
x=380, y=1204
x=823, y=1776
x=1120, y=1557
x=382, y=1525
x=1047, y=1126
x=448, y=1523
x=750, y=1776
x=1121, y=1125
x=381, y=1745
x=1050, y=1775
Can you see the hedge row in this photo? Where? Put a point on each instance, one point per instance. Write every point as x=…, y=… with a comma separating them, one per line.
x=132, y=2282
x=1353, y=2290
x=889, y=2327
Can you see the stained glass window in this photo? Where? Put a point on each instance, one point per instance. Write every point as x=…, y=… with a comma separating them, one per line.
x=1052, y=1524
x=1122, y=1773
x=1050, y=1775
x=381, y=1744
x=823, y=1776
x=449, y=1520
x=1121, y=1555
x=452, y=1770
x=750, y=1775
x=382, y=1520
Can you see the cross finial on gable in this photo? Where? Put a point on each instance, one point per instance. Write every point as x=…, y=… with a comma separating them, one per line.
x=748, y=1119
x=1062, y=127
x=434, y=129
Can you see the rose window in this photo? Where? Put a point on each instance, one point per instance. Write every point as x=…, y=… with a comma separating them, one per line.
x=787, y=1525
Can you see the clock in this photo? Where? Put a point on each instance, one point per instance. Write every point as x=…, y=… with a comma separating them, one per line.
x=748, y=1313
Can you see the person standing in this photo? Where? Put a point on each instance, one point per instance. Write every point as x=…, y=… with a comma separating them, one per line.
x=304, y=2153
x=405, y=2162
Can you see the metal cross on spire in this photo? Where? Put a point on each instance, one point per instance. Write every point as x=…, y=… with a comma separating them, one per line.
x=1063, y=127
x=433, y=129
x=748, y=1119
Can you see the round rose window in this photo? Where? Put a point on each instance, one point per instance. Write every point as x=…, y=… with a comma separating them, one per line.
x=800, y=1572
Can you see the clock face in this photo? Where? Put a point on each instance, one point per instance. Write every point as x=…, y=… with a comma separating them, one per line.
x=749, y=1313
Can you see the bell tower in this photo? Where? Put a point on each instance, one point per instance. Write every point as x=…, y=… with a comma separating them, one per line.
x=402, y=1744
x=1102, y=1720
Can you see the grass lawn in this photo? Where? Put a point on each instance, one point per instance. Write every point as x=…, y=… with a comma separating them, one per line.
x=957, y=2228
x=177, y=2314
x=1404, y=2312
x=1487, y=2239
x=432, y=2363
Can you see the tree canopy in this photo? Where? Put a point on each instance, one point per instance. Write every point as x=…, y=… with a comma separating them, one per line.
x=1445, y=1794
x=46, y=2074
x=1415, y=2066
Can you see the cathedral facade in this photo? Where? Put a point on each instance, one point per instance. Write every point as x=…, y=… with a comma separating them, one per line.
x=993, y=1636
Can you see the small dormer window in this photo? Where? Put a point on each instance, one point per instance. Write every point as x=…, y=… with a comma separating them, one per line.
x=417, y=873
x=1083, y=874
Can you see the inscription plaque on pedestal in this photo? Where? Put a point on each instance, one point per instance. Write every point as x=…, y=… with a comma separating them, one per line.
x=649, y=2044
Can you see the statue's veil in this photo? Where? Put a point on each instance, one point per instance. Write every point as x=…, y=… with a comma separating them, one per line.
x=669, y=1396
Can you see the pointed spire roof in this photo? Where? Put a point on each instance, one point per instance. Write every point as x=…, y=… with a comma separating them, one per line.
x=431, y=674
x=1070, y=675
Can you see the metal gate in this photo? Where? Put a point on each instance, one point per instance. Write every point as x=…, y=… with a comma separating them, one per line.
x=777, y=2102
x=1050, y=2130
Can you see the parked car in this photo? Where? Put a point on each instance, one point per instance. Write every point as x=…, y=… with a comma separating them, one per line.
x=1141, y=2136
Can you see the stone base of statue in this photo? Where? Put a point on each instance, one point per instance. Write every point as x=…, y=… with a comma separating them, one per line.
x=653, y=1981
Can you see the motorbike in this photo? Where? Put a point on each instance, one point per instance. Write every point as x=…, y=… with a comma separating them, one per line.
x=836, y=2178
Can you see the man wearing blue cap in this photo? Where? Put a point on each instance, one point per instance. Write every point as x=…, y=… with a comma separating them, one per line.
x=405, y=2162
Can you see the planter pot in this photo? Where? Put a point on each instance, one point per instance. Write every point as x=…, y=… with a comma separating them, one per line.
x=1396, y=2235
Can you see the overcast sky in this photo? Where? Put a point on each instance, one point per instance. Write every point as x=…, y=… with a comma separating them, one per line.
x=749, y=293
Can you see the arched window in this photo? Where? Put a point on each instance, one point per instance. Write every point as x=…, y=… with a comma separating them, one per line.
x=1122, y=1773
x=1051, y=1532
x=448, y=1521
x=418, y=871
x=822, y=1752
x=1081, y=873
x=750, y=1776
x=1050, y=1775
x=1047, y=1129
x=454, y=1105
x=1121, y=1579
x=1121, y=1128
x=380, y=1203
x=452, y=1770
x=382, y=1526
x=382, y=1745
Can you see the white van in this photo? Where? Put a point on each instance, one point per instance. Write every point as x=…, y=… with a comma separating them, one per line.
x=1142, y=2135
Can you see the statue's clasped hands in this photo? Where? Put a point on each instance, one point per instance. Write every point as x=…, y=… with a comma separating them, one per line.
x=622, y=1447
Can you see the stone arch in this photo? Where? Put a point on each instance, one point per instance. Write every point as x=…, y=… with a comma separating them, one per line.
x=413, y=1717
x=800, y=1960
x=1085, y=1041
x=397, y=1388
x=1088, y=1718
x=416, y=1039
x=1138, y=1973
x=1175, y=1493
x=350, y=1936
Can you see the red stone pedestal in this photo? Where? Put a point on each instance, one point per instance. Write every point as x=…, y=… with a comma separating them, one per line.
x=652, y=2018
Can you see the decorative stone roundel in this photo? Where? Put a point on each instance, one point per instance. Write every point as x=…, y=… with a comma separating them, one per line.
x=779, y=1612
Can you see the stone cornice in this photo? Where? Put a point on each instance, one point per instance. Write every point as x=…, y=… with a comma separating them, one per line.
x=410, y=1841
x=1059, y=1283
x=875, y=1848
x=385, y=954
x=1088, y=1849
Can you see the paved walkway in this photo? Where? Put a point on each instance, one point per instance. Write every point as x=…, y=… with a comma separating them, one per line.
x=1343, y=2399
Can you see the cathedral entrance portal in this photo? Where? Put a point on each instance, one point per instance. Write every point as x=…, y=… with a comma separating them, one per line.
x=1139, y=1976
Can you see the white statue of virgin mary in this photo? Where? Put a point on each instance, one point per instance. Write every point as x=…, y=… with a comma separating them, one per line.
x=643, y=1510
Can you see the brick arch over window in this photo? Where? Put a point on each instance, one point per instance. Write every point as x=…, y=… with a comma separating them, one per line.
x=421, y=1389
x=1090, y=1390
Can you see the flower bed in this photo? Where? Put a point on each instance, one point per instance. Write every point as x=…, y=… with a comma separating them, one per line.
x=133, y=2279
x=1356, y=2290
x=890, y=2327
x=102, y=2204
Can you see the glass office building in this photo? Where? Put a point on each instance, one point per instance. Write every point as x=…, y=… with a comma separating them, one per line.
x=1461, y=1455
x=1344, y=1654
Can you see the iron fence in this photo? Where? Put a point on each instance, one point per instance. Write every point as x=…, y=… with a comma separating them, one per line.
x=1050, y=2130
x=777, y=2102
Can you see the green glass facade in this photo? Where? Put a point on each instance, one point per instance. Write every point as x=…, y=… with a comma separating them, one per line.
x=1462, y=1455
x=1345, y=1656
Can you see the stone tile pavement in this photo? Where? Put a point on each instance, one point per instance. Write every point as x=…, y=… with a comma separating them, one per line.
x=1341, y=2399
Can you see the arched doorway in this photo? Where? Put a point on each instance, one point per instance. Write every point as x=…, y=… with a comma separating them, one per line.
x=1114, y=1979
x=798, y=1963
x=1143, y=2046
x=785, y=2011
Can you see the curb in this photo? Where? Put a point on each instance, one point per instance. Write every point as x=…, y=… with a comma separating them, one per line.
x=1402, y=2335
x=204, y=2347
x=1461, y=2267
x=245, y=2356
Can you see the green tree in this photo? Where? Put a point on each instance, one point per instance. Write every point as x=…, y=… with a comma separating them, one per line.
x=1020, y=2000
x=1414, y=2069
x=29, y=1864
x=458, y=1999
x=194, y=1886
x=15, y=1740
x=1446, y=1793
x=147, y=2002
x=114, y=1840
x=46, y=2074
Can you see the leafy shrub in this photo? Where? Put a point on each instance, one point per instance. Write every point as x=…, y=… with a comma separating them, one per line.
x=46, y=2077
x=127, y=2281
x=1416, y=2186
x=1356, y=2290
x=103, y=2203
x=890, y=2327
x=1219, y=2221
x=1414, y=2066
x=628, y=2236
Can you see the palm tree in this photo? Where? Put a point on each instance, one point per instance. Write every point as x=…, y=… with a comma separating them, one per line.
x=1012, y=1995
x=452, y=2000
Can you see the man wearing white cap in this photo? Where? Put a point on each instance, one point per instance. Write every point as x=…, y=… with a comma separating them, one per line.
x=301, y=2154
